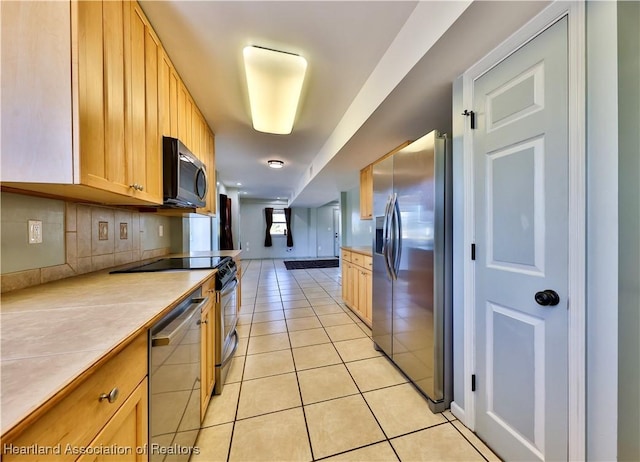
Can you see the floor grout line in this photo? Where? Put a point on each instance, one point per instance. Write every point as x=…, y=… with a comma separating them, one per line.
x=267, y=275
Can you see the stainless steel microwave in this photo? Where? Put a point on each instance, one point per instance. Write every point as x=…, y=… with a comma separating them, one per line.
x=184, y=176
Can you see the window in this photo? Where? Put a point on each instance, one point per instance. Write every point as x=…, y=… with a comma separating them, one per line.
x=279, y=226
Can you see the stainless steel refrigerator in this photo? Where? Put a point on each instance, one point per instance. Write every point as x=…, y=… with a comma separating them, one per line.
x=412, y=311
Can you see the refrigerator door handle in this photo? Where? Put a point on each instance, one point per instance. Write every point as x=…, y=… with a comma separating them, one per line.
x=385, y=237
x=391, y=254
x=397, y=243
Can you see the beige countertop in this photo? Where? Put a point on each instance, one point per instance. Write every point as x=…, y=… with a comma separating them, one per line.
x=52, y=333
x=364, y=250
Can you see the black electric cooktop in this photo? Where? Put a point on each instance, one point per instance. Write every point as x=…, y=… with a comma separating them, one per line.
x=177, y=263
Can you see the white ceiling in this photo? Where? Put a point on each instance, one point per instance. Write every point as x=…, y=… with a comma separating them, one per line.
x=379, y=73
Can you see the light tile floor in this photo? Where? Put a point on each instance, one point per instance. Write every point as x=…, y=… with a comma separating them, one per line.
x=306, y=384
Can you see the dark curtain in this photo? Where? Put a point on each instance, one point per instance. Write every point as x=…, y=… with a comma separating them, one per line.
x=229, y=229
x=287, y=217
x=226, y=237
x=268, y=216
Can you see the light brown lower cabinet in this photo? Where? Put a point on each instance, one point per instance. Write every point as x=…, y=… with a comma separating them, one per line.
x=207, y=345
x=357, y=289
x=365, y=294
x=124, y=437
x=105, y=413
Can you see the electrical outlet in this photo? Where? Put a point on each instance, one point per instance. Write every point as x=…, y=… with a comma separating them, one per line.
x=160, y=230
x=35, y=231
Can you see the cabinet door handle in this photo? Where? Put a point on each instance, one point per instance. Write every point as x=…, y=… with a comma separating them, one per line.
x=140, y=187
x=112, y=396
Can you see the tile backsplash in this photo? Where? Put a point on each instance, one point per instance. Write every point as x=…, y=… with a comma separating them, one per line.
x=77, y=239
x=17, y=254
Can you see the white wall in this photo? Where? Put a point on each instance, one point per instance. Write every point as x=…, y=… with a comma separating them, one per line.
x=252, y=232
x=356, y=232
x=629, y=231
x=458, y=246
x=602, y=231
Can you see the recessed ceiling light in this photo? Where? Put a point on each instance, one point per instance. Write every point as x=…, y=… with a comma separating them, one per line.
x=275, y=163
x=274, y=79
x=238, y=184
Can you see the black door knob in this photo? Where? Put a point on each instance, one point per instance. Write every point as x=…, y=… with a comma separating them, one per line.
x=547, y=298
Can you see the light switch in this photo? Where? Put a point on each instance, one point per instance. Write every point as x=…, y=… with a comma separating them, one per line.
x=35, y=232
x=160, y=230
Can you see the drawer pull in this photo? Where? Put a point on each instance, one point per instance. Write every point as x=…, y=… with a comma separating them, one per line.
x=112, y=396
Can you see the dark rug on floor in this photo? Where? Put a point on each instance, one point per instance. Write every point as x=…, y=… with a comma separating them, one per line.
x=309, y=264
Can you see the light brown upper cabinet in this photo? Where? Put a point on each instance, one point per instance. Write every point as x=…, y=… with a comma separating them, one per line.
x=79, y=86
x=87, y=94
x=366, y=192
x=208, y=156
x=145, y=54
x=366, y=185
x=185, y=118
x=196, y=127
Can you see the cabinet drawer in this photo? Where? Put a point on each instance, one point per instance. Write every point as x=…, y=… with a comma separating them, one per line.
x=357, y=258
x=209, y=287
x=79, y=417
x=346, y=255
x=367, y=262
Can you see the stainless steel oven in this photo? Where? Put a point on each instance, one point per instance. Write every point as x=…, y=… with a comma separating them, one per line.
x=174, y=385
x=227, y=319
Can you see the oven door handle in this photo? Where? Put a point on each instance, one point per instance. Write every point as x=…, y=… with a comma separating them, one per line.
x=226, y=289
x=176, y=329
x=229, y=357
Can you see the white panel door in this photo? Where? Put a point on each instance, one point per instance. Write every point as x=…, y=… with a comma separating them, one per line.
x=336, y=233
x=521, y=202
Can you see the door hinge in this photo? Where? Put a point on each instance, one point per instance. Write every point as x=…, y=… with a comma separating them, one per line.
x=471, y=114
x=473, y=251
x=473, y=382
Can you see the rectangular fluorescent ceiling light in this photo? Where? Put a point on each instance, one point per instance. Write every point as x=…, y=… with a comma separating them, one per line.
x=275, y=81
